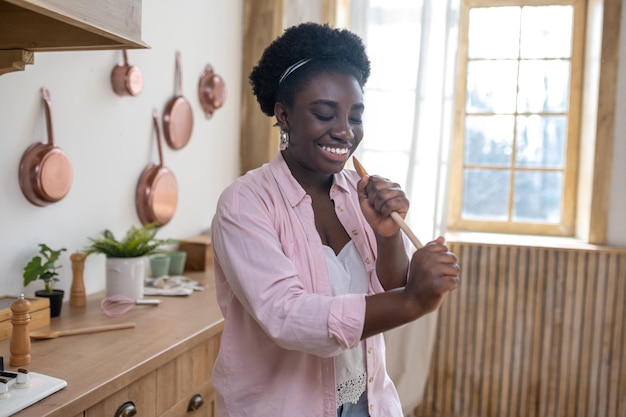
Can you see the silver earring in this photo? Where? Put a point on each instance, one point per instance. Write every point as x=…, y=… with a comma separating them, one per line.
x=284, y=140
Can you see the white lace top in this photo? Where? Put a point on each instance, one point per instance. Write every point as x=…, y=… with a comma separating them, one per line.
x=348, y=276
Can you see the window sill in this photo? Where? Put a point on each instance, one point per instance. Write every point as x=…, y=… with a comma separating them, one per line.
x=526, y=240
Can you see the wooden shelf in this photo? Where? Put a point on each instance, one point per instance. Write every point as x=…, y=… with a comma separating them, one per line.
x=28, y=26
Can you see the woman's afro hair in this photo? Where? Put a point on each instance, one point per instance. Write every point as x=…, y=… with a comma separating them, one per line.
x=337, y=49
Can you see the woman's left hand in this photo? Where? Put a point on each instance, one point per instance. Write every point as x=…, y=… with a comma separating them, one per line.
x=379, y=197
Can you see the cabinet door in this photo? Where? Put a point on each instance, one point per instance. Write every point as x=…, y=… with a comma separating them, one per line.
x=139, y=395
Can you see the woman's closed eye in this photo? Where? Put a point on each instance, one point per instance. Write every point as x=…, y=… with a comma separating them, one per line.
x=323, y=118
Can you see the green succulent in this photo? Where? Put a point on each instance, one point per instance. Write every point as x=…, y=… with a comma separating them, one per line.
x=43, y=267
x=138, y=241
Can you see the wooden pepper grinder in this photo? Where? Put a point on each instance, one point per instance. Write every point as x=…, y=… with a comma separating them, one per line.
x=20, y=339
x=77, y=294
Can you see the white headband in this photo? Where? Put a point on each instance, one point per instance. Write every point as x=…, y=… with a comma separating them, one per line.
x=292, y=68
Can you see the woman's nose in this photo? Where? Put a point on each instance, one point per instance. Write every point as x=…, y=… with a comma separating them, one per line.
x=343, y=130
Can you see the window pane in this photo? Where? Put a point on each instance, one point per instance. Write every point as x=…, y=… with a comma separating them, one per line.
x=485, y=194
x=543, y=86
x=537, y=197
x=540, y=141
x=491, y=86
x=493, y=32
x=547, y=32
x=488, y=140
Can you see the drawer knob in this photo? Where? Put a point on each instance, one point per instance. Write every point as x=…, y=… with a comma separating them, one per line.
x=127, y=409
x=195, y=402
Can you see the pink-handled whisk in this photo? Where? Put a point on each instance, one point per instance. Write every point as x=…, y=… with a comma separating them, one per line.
x=116, y=305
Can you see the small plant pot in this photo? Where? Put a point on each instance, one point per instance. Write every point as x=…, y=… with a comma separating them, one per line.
x=56, y=300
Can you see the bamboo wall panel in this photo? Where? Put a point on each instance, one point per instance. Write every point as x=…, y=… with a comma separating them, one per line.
x=531, y=332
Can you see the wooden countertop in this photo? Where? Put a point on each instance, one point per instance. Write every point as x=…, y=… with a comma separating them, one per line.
x=99, y=364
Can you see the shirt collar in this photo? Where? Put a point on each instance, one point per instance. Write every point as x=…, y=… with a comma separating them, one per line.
x=291, y=188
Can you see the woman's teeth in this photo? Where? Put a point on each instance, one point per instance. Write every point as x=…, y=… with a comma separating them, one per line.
x=336, y=151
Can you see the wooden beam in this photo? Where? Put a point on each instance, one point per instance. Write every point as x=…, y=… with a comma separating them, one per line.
x=262, y=24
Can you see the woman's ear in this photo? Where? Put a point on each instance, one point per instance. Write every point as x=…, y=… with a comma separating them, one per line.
x=281, y=116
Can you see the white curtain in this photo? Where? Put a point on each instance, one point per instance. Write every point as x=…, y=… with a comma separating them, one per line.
x=408, y=128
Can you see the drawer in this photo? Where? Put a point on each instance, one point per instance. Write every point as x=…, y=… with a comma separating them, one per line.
x=203, y=393
x=179, y=379
x=138, y=395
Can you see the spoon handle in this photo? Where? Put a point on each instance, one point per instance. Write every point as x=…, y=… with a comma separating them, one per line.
x=96, y=329
x=394, y=215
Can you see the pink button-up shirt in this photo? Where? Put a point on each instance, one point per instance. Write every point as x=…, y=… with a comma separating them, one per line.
x=282, y=325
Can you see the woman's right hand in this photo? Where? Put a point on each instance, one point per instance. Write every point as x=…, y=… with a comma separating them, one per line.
x=432, y=274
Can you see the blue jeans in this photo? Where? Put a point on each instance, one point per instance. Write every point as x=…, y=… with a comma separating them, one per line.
x=354, y=410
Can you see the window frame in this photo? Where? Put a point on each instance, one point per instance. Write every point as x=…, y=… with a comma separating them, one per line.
x=566, y=227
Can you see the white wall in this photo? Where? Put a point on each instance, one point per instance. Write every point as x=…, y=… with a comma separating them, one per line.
x=110, y=140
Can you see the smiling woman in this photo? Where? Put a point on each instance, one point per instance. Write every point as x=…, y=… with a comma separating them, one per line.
x=310, y=267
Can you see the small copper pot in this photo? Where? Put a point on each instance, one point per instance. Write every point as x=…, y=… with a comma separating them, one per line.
x=126, y=79
x=45, y=171
x=178, y=115
x=211, y=91
x=157, y=189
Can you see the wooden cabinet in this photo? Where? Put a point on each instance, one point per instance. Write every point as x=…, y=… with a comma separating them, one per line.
x=140, y=396
x=28, y=26
x=185, y=382
x=158, y=368
x=180, y=387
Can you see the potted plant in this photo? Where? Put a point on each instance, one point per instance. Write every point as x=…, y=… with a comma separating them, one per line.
x=44, y=267
x=126, y=258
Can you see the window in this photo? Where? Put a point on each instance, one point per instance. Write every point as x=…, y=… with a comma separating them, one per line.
x=436, y=111
x=515, y=146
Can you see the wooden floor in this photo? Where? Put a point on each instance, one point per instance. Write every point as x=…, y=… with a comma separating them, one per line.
x=531, y=332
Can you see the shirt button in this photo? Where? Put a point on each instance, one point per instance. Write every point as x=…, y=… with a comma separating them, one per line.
x=371, y=379
x=367, y=260
x=369, y=350
x=355, y=232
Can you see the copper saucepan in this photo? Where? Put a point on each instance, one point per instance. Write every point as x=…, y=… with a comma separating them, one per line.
x=157, y=190
x=45, y=172
x=178, y=115
x=211, y=91
x=126, y=79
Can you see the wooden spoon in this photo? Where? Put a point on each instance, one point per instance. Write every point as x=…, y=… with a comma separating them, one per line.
x=394, y=215
x=53, y=334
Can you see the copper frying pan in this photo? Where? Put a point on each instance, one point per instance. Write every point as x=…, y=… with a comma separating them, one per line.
x=126, y=79
x=45, y=172
x=157, y=190
x=178, y=115
x=211, y=91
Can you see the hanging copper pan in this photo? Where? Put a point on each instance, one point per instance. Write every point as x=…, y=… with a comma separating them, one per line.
x=126, y=79
x=211, y=91
x=157, y=190
x=178, y=115
x=45, y=172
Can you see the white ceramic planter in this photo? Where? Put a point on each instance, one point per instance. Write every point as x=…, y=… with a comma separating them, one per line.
x=125, y=276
